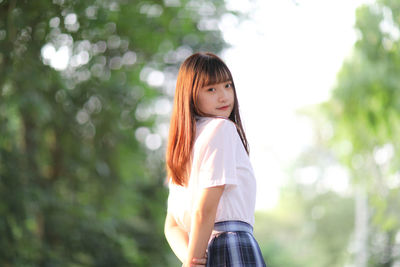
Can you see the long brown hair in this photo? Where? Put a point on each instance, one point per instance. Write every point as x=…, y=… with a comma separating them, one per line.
x=197, y=71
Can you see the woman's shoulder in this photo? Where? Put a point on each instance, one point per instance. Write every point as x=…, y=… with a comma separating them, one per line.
x=216, y=123
x=217, y=130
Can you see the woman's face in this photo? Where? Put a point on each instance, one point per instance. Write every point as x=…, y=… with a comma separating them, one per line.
x=216, y=99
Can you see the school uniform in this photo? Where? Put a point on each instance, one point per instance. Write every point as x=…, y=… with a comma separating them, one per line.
x=219, y=158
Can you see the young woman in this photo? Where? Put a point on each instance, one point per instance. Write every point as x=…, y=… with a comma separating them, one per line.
x=212, y=186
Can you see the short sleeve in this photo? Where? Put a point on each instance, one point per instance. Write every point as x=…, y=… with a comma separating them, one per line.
x=218, y=157
x=170, y=197
x=175, y=196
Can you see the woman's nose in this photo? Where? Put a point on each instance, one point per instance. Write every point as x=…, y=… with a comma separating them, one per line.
x=222, y=96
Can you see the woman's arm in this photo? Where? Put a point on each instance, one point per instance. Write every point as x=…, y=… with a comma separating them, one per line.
x=177, y=238
x=202, y=222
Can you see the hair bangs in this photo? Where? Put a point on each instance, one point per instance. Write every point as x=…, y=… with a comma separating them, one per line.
x=213, y=72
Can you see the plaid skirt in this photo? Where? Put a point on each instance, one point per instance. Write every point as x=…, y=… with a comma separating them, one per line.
x=233, y=245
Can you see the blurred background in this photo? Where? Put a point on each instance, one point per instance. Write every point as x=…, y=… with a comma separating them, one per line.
x=85, y=98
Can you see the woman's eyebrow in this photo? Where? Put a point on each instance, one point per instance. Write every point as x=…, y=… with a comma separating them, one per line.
x=214, y=84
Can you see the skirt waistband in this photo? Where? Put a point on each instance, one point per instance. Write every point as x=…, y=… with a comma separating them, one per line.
x=232, y=226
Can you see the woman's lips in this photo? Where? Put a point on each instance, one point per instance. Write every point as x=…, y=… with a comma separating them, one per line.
x=224, y=107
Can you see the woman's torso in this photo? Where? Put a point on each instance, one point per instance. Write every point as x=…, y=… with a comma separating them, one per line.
x=219, y=158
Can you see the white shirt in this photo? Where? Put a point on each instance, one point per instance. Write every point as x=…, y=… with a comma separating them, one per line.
x=219, y=158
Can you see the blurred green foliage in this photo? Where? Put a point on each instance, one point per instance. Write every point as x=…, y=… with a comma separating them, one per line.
x=307, y=228
x=320, y=220
x=364, y=117
x=81, y=170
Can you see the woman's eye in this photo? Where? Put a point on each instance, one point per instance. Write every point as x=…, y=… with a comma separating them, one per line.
x=211, y=89
x=228, y=85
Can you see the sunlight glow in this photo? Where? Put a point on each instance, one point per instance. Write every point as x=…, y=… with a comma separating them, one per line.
x=283, y=58
x=58, y=59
